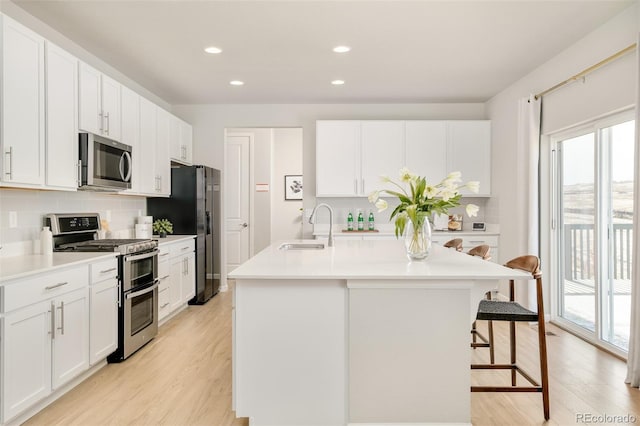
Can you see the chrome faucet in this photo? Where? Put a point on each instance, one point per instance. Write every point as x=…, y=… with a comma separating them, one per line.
x=313, y=213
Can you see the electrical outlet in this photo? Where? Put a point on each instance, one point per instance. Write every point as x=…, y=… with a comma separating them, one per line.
x=13, y=219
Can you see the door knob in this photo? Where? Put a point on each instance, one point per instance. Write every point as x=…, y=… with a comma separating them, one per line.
x=245, y=225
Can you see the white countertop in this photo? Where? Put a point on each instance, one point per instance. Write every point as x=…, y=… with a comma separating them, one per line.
x=172, y=238
x=368, y=259
x=30, y=264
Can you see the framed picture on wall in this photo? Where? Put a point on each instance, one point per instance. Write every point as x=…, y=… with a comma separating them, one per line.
x=293, y=187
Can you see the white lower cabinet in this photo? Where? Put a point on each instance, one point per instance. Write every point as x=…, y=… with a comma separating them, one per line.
x=103, y=337
x=70, y=349
x=176, y=272
x=45, y=338
x=26, y=358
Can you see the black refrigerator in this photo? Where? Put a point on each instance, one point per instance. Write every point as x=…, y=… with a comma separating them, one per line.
x=194, y=209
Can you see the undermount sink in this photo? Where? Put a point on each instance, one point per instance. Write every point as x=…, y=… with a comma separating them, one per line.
x=301, y=246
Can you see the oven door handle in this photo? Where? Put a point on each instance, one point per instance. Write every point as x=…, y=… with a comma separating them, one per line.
x=141, y=256
x=145, y=291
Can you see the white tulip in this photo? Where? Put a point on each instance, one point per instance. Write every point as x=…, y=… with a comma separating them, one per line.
x=385, y=179
x=381, y=205
x=446, y=194
x=472, y=210
x=430, y=192
x=405, y=174
x=474, y=186
x=454, y=177
x=373, y=197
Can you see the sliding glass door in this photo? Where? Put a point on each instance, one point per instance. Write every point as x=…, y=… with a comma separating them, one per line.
x=594, y=193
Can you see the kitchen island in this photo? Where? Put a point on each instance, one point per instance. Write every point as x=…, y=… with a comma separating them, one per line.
x=356, y=334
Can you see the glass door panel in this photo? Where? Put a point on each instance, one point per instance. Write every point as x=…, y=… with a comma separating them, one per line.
x=577, y=251
x=617, y=194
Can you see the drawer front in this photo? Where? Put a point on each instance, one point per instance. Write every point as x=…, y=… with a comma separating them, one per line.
x=468, y=241
x=164, y=302
x=104, y=270
x=41, y=287
x=164, y=250
x=182, y=247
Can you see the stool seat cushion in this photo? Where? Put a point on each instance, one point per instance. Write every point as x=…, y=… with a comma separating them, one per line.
x=497, y=310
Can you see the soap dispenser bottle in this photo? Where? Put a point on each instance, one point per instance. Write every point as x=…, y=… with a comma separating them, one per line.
x=46, y=241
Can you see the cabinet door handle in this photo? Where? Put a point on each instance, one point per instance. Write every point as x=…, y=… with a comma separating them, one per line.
x=165, y=277
x=51, y=287
x=79, y=172
x=164, y=305
x=106, y=130
x=104, y=271
x=61, y=328
x=163, y=254
x=119, y=300
x=363, y=186
x=10, y=168
x=184, y=248
x=355, y=186
x=101, y=120
x=53, y=320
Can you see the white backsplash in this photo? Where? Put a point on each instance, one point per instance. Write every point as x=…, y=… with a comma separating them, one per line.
x=342, y=206
x=30, y=206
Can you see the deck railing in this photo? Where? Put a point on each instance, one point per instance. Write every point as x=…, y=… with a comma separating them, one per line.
x=580, y=251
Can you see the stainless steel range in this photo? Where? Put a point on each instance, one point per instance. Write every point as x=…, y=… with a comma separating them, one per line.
x=137, y=276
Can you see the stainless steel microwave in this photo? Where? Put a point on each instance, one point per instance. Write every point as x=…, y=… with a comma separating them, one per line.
x=105, y=164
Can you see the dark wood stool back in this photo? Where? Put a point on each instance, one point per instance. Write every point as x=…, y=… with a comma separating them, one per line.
x=495, y=310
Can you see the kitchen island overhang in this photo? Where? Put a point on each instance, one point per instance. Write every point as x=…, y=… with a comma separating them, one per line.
x=356, y=334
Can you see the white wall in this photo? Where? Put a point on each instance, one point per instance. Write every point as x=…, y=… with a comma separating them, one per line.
x=607, y=89
x=286, y=158
x=210, y=121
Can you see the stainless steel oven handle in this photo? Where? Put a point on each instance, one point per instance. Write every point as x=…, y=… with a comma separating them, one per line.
x=145, y=291
x=140, y=256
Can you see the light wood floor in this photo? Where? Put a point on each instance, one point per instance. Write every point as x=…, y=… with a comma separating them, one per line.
x=183, y=377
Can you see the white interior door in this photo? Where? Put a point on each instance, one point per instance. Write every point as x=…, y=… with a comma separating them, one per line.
x=237, y=200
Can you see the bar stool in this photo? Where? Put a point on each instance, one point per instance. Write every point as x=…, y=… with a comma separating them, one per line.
x=483, y=252
x=495, y=310
x=456, y=243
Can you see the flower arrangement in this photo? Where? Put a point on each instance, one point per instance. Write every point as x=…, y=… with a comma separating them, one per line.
x=421, y=199
x=162, y=226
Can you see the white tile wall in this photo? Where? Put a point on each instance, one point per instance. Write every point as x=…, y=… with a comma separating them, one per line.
x=31, y=206
x=342, y=206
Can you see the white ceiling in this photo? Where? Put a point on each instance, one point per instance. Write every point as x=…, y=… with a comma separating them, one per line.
x=402, y=51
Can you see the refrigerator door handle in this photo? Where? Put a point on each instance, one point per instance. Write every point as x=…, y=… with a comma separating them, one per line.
x=208, y=218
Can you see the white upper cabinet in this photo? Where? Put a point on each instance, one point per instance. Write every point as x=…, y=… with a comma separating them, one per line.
x=382, y=153
x=352, y=155
x=186, y=142
x=62, y=118
x=111, y=93
x=180, y=141
x=22, y=130
x=130, y=134
x=163, y=164
x=99, y=103
x=147, y=177
x=337, y=158
x=426, y=149
x=469, y=151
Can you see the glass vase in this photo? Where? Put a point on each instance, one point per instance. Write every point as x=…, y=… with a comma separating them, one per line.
x=417, y=240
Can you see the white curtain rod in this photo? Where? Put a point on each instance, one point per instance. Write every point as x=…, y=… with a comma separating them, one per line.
x=589, y=70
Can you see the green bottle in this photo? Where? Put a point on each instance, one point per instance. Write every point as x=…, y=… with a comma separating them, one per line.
x=350, y=222
x=371, y=221
x=360, y=222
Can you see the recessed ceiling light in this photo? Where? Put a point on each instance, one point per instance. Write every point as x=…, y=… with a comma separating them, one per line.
x=337, y=82
x=341, y=49
x=236, y=83
x=212, y=49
